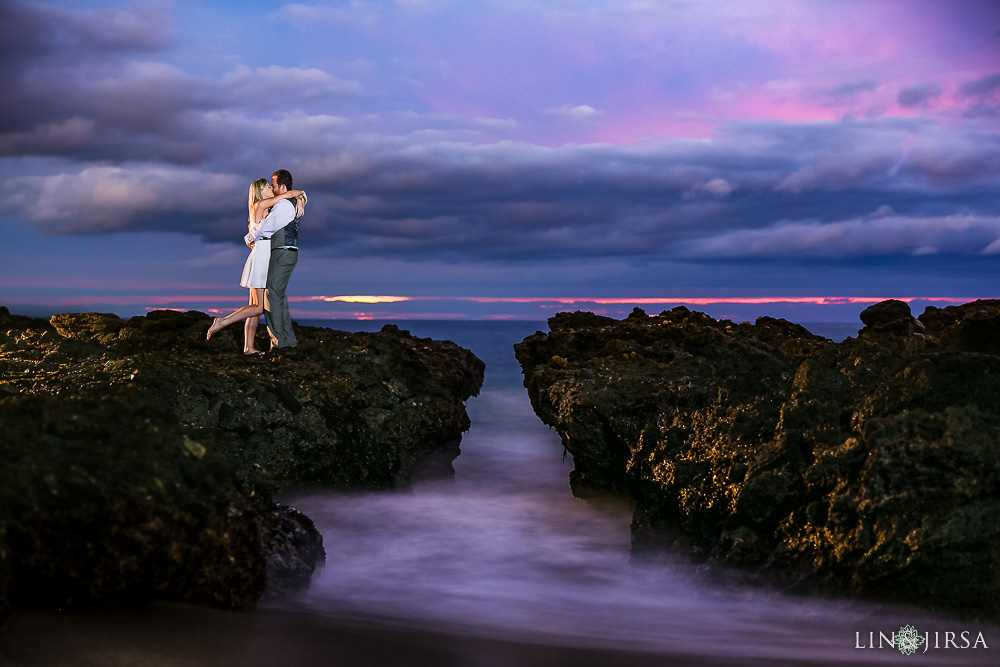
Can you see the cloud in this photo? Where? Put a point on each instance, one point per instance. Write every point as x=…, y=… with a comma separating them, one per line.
x=853, y=89
x=986, y=85
x=850, y=94
x=861, y=237
x=717, y=187
x=837, y=172
x=154, y=111
x=33, y=31
x=274, y=86
x=914, y=96
x=434, y=197
x=53, y=57
x=60, y=137
x=985, y=95
x=945, y=158
x=139, y=111
x=97, y=200
x=581, y=114
x=881, y=212
x=497, y=124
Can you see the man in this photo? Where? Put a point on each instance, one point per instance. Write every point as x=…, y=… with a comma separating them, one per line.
x=282, y=226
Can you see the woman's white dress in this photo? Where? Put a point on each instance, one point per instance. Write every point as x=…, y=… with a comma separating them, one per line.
x=255, y=270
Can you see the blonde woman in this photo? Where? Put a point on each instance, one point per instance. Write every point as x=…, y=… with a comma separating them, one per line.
x=260, y=200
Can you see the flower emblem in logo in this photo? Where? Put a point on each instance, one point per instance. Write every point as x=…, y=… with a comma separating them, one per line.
x=908, y=640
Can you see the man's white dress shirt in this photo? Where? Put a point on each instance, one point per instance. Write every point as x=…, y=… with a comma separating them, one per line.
x=281, y=214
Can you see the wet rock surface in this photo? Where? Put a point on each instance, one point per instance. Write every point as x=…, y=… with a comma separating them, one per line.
x=140, y=461
x=870, y=466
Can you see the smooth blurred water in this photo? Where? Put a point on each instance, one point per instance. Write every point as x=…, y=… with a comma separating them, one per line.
x=505, y=551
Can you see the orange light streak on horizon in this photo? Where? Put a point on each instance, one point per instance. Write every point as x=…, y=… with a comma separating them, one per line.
x=360, y=298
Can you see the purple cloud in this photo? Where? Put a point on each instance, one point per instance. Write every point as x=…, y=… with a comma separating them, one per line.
x=879, y=234
x=985, y=96
x=33, y=31
x=913, y=96
x=98, y=200
x=851, y=90
x=417, y=197
x=987, y=85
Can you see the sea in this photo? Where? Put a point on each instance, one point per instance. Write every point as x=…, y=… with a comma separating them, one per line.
x=499, y=564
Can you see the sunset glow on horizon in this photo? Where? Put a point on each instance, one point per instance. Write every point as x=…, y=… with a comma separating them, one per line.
x=817, y=309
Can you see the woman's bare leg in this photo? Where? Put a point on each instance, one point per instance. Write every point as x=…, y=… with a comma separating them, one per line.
x=250, y=328
x=250, y=310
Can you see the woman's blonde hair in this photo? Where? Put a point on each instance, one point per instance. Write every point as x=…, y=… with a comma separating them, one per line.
x=256, y=192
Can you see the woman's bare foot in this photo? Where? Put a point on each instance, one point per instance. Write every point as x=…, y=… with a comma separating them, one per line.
x=253, y=353
x=213, y=328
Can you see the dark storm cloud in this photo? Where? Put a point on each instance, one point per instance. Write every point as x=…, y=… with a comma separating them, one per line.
x=912, y=96
x=984, y=94
x=87, y=84
x=984, y=86
x=845, y=95
x=33, y=31
x=126, y=111
x=71, y=74
x=873, y=235
x=154, y=111
x=506, y=201
x=825, y=189
x=98, y=200
x=963, y=161
x=852, y=89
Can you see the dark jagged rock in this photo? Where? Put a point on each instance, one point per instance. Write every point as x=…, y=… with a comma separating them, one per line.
x=294, y=553
x=871, y=465
x=972, y=327
x=139, y=460
x=890, y=317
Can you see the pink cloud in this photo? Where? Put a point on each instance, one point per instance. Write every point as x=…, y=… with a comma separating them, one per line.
x=641, y=301
x=703, y=301
x=813, y=30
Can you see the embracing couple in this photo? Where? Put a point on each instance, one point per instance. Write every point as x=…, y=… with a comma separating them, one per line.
x=275, y=210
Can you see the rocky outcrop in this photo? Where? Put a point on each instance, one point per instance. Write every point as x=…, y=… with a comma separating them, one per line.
x=870, y=465
x=139, y=460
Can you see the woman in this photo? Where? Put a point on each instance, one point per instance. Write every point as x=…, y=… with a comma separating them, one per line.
x=260, y=201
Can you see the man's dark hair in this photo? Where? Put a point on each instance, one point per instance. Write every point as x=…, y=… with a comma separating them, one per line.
x=283, y=178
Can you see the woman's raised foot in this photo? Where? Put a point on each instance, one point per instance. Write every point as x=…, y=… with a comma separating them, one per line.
x=213, y=328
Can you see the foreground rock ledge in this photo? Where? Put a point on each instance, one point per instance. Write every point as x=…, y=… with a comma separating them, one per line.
x=870, y=466
x=137, y=460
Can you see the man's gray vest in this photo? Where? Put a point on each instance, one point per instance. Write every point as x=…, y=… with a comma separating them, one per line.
x=287, y=235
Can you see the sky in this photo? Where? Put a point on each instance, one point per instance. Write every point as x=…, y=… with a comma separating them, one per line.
x=510, y=159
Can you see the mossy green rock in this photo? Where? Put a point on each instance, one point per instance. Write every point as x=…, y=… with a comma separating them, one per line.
x=140, y=460
x=870, y=465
